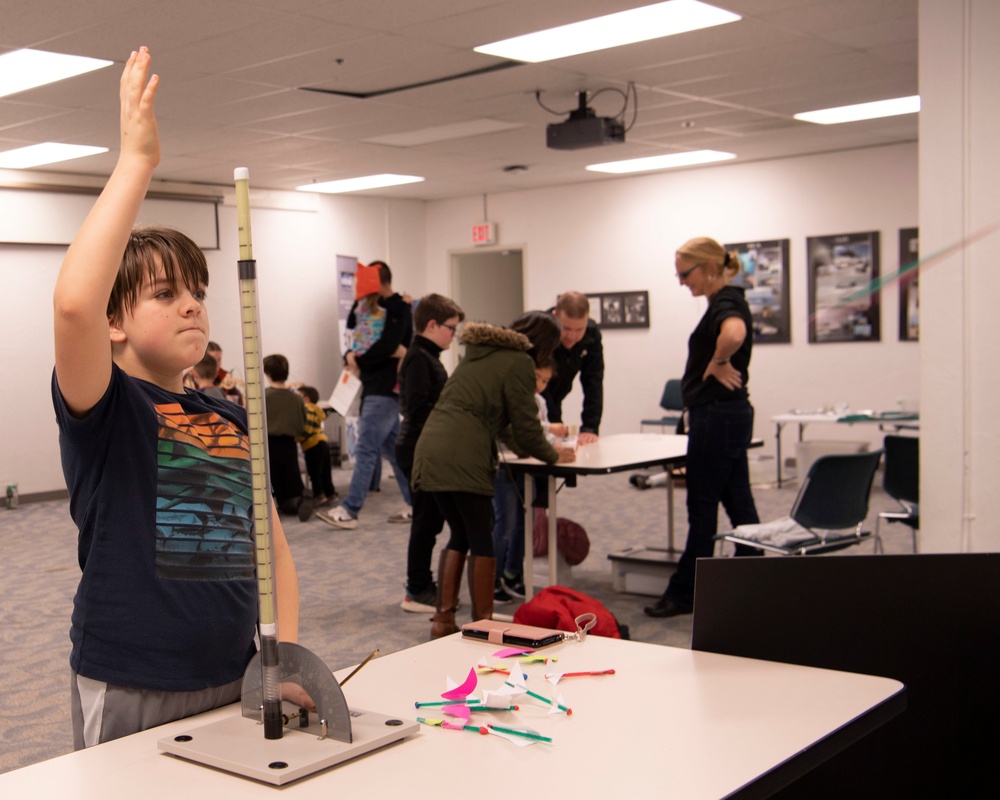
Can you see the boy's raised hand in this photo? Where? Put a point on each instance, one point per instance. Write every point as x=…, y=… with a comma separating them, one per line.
x=83, y=354
x=139, y=135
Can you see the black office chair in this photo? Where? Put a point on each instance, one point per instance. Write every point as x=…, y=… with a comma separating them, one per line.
x=671, y=402
x=901, y=481
x=833, y=499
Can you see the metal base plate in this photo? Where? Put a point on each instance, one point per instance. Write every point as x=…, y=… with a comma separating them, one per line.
x=237, y=745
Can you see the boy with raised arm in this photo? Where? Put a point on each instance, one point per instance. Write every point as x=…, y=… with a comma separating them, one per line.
x=159, y=477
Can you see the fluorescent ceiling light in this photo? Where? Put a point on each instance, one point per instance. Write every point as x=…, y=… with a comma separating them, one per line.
x=26, y=69
x=880, y=108
x=612, y=30
x=444, y=133
x=662, y=162
x=358, y=184
x=45, y=153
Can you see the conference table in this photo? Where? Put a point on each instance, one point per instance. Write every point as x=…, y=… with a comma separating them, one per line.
x=670, y=722
x=615, y=453
x=895, y=420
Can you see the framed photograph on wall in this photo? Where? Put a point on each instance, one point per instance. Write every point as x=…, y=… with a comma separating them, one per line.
x=909, y=295
x=765, y=277
x=842, y=305
x=612, y=310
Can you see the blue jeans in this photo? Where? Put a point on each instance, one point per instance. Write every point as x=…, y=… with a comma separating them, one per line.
x=508, y=531
x=716, y=472
x=378, y=426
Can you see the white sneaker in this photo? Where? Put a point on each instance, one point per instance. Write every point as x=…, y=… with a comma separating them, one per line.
x=340, y=517
x=406, y=515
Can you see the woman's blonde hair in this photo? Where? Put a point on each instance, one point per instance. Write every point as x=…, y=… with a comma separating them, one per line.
x=708, y=251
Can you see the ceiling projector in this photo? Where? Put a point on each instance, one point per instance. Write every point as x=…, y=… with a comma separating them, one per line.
x=584, y=129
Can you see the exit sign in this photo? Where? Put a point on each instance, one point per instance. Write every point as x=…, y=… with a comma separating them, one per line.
x=484, y=233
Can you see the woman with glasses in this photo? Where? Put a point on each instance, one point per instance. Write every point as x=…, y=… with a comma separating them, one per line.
x=720, y=417
x=490, y=394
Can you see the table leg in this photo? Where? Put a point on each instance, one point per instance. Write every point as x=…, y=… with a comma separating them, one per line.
x=670, y=510
x=529, y=537
x=798, y=467
x=553, y=555
x=777, y=440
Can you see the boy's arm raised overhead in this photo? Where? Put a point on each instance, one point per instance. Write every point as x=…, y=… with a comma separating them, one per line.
x=83, y=288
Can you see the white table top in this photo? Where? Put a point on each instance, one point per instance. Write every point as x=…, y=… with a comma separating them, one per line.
x=620, y=451
x=806, y=416
x=670, y=723
x=851, y=418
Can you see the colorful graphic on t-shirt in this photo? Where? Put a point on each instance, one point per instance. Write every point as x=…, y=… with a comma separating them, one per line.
x=204, y=503
x=368, y=328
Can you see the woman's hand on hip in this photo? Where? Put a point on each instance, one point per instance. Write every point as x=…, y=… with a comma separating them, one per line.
x=726, y=374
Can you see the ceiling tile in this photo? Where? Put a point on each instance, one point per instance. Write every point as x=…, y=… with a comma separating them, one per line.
x=231, y=72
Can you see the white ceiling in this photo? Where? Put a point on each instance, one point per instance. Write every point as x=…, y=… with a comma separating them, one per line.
x=233, y=71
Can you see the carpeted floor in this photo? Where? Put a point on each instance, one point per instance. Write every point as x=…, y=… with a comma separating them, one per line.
x=351, y=586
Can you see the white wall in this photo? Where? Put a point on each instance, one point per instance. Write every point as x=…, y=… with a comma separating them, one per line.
x=621, y=235
x=614, y=235
x=297, y=294
x=960, y=430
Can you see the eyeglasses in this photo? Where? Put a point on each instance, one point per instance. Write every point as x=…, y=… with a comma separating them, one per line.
x=452, y=328
x=683, y=276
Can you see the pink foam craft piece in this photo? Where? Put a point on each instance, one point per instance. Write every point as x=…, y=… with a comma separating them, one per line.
x=465, y=689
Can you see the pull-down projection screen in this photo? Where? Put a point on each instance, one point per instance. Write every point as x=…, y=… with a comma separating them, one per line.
x=30, y=216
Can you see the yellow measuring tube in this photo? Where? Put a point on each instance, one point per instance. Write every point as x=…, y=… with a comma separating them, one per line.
x=257, y=433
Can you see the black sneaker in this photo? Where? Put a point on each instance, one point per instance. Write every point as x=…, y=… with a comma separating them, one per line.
x=513, y=585
x=305, y=509
x=667, y=607
x=500, y=597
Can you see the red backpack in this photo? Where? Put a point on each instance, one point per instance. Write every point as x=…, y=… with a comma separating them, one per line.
x=559, y=606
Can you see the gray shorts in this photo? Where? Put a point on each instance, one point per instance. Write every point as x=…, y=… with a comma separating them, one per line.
x=102, y=711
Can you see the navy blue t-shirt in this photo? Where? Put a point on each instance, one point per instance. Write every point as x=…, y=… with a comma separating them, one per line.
x=160, y=490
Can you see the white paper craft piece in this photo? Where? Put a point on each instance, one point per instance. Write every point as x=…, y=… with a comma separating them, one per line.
x=520, y=741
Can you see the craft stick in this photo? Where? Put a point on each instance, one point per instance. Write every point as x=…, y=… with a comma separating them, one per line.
x=515, y=732
x=488, y=668
x=465, y=701
x=593, y=672
x=544, y=699
x=471, y=728
x=359, y=666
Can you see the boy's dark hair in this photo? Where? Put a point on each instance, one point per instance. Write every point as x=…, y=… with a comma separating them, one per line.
x=213, y=347
x=310, y=393
x=435, y=307
x=183, y=263
x=549, y=364
x=207, y=368
x=276, y=368
x=384, y=273
x=544, y=332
